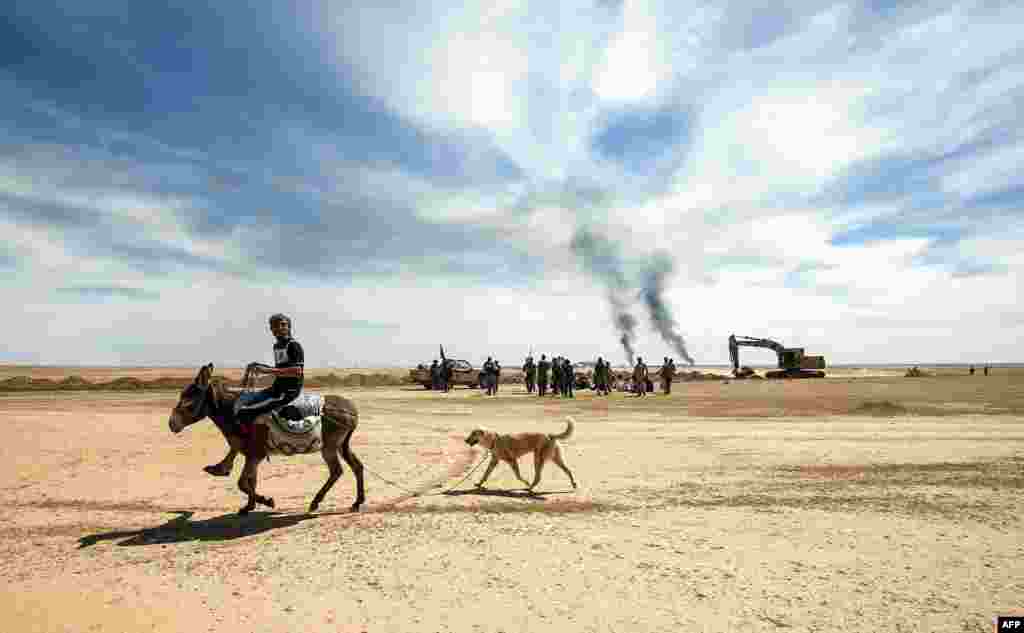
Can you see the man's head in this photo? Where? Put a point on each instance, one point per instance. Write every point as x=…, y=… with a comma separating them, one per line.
x=280, y=326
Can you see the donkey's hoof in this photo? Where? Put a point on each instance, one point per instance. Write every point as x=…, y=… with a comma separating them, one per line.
x=313, y=507
x=270, y=502
x=216, y=470
x=355, y=507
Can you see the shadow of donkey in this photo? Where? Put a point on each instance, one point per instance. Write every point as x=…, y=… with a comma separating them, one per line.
x=181, y=529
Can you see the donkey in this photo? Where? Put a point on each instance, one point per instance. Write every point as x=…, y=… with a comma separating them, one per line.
x=211, y=398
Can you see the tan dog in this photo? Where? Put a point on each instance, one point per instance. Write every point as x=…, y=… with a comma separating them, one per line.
x=510, y=448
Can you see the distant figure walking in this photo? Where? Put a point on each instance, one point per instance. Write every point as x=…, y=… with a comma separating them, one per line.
x=556, y=376
x=530, y=370
x=568, y=379
x=487, y=376
x=447, y=373
x=601, y=377
x=667, y=373
x=435, y=375
x=542, y=375
x=640, y=377
x=497, y=378
x=986, y=370
x=972, y=370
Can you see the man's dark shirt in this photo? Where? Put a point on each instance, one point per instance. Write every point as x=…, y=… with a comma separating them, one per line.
x=542, y=368
x=288, y=353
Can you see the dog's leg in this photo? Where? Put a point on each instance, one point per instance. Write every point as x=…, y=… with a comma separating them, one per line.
x=487, y=473
x=538, y=465
x=515, y=467
x=557, y=458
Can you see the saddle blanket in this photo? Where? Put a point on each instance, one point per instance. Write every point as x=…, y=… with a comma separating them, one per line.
x=289, y=437
x=295, y=427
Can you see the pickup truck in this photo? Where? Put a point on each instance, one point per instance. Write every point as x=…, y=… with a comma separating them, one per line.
x=463, y=374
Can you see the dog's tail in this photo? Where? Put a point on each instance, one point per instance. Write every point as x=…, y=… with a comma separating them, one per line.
x=568, y=429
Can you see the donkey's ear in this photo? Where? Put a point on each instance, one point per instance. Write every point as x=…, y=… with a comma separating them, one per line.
x=203, y=378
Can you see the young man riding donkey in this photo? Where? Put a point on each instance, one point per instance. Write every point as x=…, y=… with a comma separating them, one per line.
x=250, y=424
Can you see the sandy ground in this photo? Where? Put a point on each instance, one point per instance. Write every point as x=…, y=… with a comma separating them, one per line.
x=873, y=504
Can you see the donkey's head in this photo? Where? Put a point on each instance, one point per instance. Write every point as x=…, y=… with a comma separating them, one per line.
x=195, y=402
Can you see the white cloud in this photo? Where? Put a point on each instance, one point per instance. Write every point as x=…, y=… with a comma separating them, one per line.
x=632, y=69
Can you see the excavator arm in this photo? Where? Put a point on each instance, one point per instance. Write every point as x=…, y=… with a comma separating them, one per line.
x=735, y=342
x=793, y=363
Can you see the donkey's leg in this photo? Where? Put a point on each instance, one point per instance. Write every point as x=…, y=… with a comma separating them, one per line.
x=258, y=442
x=224, y=467
x=330, y=454
x=255, y=452
x=357, y=469
x=344, y=418
x=247, y=486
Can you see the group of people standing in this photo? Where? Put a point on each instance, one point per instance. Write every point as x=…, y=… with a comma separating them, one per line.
x=563, y=376
x=441, y=375
x=642, y=381
x=556, y=376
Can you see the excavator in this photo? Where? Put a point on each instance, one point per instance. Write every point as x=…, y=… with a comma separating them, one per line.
x=793, y=363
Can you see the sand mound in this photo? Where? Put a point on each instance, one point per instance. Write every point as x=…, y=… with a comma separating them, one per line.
x=382, y=380
x=127, y=383
x=17, y=382
x=353, y=380
x=880, y=408
x=330, y=380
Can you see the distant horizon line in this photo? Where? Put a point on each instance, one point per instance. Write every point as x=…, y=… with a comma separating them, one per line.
x=682, y=366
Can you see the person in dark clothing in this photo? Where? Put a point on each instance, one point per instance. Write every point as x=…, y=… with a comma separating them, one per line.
x=556, y=375
x=289, y=360
x=448, y=374
x=640, y=377
x=986, y=370
x=568, y=380
x=435, y=376
x=542, y=375
x=487, y=376
x=530, y=371
x=497, y=377
x=600, y=381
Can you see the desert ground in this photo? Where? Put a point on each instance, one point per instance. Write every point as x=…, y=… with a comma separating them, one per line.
x=861, y=502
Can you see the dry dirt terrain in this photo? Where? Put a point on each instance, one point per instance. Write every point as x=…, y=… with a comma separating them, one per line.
x=860, y=503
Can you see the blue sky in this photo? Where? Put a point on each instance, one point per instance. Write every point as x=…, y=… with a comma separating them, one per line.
x=840, y=176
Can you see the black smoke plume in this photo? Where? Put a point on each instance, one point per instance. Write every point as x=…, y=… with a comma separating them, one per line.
x=602, y=259
x=653, y=293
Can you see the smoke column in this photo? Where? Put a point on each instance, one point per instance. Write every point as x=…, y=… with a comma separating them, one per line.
x=653, y=297
x=602, y=260
x=624, y=323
